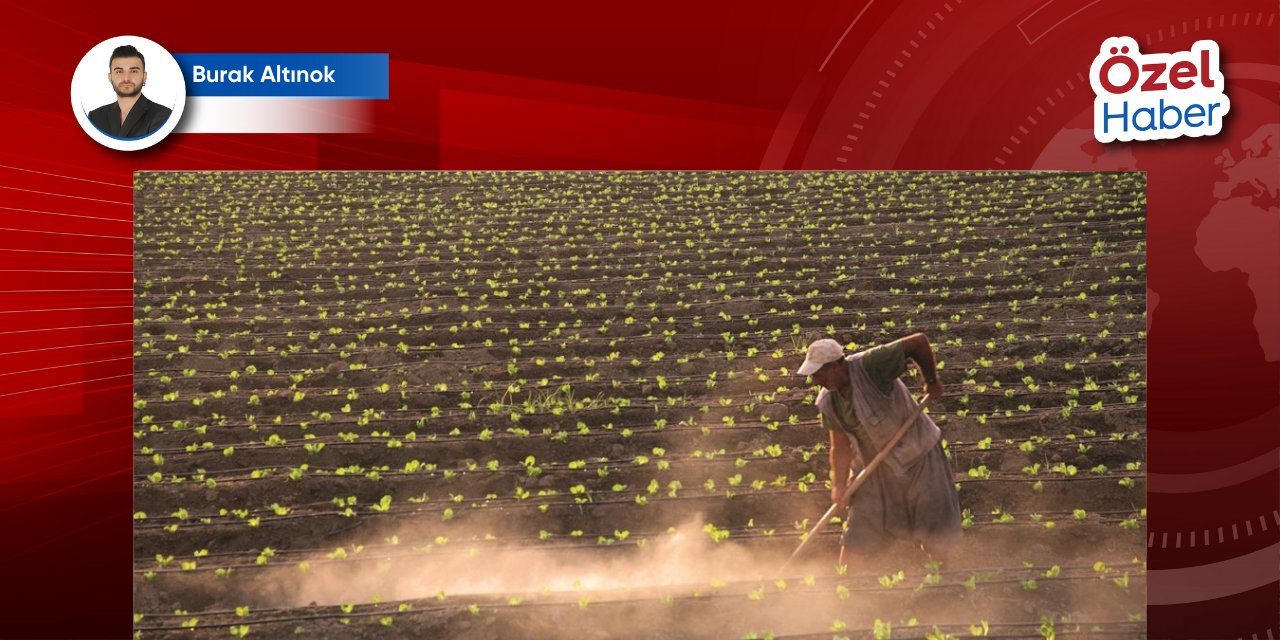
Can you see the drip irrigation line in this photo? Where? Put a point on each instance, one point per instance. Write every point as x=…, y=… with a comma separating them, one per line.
x=588, y=329
x=789, y=455
x=509, y=545
x=616, y=405
x=649, y=427
x=1125, y=629
x=724, y=246
x=591, y=500
x=590, y=335
x=1119, y=247
x=202, y=275
x=621, y=308
x=590, y=396
x=391, y=608
x=577, y=361
x=776, y=220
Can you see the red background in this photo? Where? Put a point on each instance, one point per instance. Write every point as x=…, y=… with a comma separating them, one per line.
x=869, y=84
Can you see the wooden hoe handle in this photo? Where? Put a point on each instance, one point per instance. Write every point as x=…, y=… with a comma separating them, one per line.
x=859, y=480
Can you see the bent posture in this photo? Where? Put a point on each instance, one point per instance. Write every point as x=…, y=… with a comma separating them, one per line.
x=910, y=495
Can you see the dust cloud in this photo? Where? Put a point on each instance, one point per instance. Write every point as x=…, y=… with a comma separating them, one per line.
x=683, y=558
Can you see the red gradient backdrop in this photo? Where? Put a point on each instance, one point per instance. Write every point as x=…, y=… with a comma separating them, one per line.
x=867, y=84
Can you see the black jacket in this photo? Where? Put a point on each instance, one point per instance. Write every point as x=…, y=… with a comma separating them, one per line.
x=144, y=118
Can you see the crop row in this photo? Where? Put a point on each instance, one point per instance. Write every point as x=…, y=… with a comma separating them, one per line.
x=361, y=501
x=760, y=259
x=1118, y=579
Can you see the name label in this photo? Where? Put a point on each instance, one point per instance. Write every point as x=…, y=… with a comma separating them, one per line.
x=351, y=76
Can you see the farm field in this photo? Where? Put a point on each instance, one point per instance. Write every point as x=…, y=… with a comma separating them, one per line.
x=563, y=404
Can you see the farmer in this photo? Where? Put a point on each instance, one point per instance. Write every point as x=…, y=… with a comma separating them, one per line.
x=910, y=495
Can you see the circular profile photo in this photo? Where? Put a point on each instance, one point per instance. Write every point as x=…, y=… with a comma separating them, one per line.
x=128, y=93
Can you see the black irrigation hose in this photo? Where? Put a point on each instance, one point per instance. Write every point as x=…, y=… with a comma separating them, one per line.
x=613, y=601
x=591, y=259
x=238, y=475
x=639, y=309
x=1126, y=629
x=579, y=327
x=741, y=584
x=591, y=499
x=561, y=380
x=1086, y=571
x=639, y=429
x=533, y=183
x=646, y=427
x=203, y=276
x=421, y=296
x=675, y=384
x=603, y=275
x=811, y=236
x=163, y=298
x=511, y=544
x=754, y=232
x=594, y=219
x=625, y=253
x=621, y=464
x=225, y=476
x=763, y=349
x=593, y=463
x=618, y=404
x=578, y=340
x=369, y=552
x=274, y=473
x=620, y=310
x=591, y=220
x=529, y=363
x=600, y=236
x=673, y=276
x=590, y=335
x=718, y=256
x=576, y=361
x=531, y=383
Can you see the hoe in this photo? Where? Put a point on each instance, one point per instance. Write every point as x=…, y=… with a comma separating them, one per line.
x=857, y=482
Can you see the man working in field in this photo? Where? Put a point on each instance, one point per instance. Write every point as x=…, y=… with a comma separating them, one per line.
x=910, y=495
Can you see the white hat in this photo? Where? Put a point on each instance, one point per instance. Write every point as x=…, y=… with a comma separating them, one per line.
x=820, y=352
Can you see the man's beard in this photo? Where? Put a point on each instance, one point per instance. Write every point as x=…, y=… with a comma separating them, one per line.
x=136, y=90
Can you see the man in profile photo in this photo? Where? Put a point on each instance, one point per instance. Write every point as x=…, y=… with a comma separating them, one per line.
x=132, y=115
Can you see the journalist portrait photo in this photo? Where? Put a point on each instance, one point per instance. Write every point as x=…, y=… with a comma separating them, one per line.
x=128, y=93
x=131, y=114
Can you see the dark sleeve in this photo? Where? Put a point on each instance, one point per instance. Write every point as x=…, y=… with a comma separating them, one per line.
x=885, y=364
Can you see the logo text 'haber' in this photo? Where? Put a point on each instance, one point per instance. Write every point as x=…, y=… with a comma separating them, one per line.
x=1156, y=96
